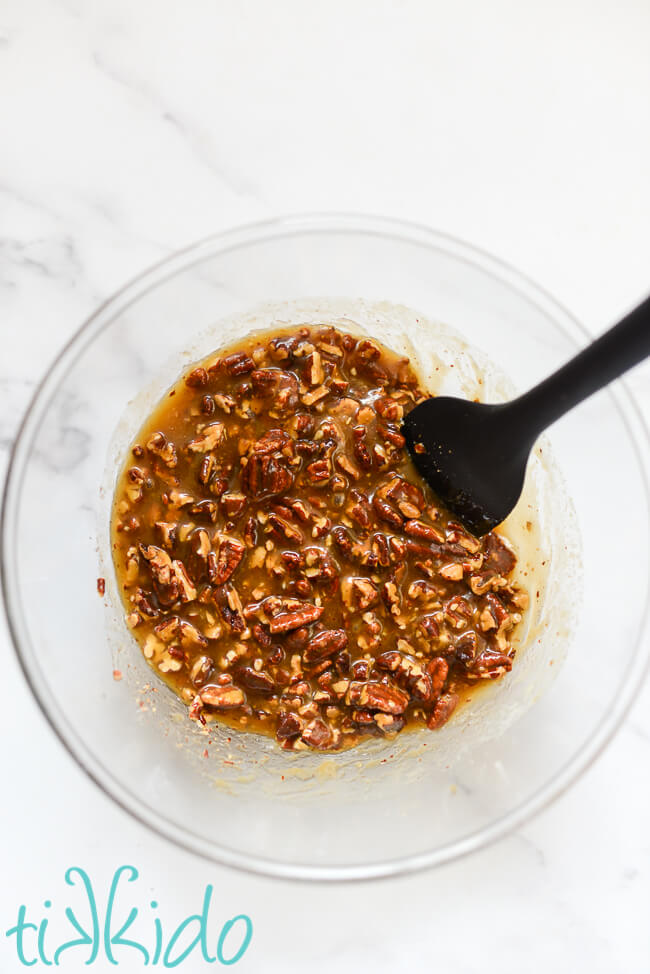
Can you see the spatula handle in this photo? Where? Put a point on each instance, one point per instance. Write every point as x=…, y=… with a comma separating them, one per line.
x=624, y=345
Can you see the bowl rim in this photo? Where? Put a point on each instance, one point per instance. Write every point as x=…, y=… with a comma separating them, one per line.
x=222, y=242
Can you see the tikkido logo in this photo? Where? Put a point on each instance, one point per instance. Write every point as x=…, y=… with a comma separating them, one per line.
x=100, y=935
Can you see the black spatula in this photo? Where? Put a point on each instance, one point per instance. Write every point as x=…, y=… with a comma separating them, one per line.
x=474, y=455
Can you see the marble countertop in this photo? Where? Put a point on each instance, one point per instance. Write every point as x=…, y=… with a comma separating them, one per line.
x=130, y=130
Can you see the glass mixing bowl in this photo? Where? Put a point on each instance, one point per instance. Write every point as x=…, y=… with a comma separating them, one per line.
x=386, y=808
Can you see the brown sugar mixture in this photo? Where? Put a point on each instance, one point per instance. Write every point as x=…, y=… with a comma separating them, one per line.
x=284, y=567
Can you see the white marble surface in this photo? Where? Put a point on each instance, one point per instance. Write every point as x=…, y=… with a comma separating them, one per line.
x=129, y=130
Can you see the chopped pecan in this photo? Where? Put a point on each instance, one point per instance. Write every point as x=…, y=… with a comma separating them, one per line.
x=389, y=723
x=305, y=425
x=222, y=697
x=391, y=597
x=318, y=471
x=264, y=381
x=309, y=398
x=381, y=549
x=200, y=548
x=499, y=557
x=143, y=605
x=361, y=451
x=498, y=610
x=389, y=661
x=359, y=509
x=189, y=636
x=161, y=447
x=453, y=572
x=317, y=733
x=389, y=408
x=202, y=670
x=206, y=470
x=186, y=589
x=211, y=436
x=315, y=372
x=422, y=591
x=466, y=648
x=482, y=582
x=233, y=502
x=289, y=726
x=360, y=670
x=206, y=509
x=429, y=627
x=457, y=534
x=359, y=593
x=217, y=486
x=364, y=719
x=159, y=562
x=320, y=567
x=368, y=350
x=225, y=402
x=458, y=611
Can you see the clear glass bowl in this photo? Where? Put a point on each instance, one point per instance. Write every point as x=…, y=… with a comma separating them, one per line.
x=246, y=804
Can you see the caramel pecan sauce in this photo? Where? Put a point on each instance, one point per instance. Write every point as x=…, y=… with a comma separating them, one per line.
x=284, y=567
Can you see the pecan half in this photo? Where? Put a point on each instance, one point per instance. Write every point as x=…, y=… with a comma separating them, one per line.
x=325, y=645
x=425, y=532
x=378, y=696
x=302, y=616
x=254, y=680
x=265, y=475
x=442, y=710
x=281, y=386
x=438, y=668
x=223, y=565
x=386, y=513
x=239, y=363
